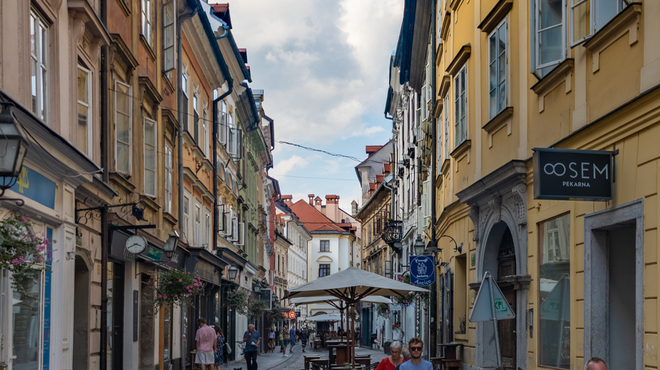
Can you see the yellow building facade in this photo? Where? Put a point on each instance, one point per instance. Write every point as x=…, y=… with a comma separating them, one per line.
x=581, y=276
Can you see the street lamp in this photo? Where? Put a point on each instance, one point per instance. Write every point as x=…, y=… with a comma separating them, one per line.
x=233, y=271
x=171, y=244
x=13, y=148
x=419, y=246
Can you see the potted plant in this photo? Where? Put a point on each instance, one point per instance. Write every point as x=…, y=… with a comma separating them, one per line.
x=175, y=287
x=237, y=299
x=386, y=347
x=21, y=252
x=383, y=310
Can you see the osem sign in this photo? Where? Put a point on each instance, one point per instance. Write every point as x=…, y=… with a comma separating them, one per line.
x=564, y=174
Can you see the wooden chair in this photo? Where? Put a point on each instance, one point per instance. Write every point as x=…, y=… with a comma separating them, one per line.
x=309, y=358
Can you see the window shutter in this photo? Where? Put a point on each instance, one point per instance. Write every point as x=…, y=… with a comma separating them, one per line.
x=241, y=235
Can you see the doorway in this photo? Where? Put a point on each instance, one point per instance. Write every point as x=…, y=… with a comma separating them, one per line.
x=81, y=310
x=613, y=286
x=115, y=315
x=506, y=329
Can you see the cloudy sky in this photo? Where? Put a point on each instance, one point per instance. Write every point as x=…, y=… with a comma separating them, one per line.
x=324, y=67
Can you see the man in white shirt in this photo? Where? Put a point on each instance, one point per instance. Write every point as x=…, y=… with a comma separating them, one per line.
x=397, y=333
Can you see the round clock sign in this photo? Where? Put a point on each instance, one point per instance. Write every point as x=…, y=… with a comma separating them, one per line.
x=136, y=244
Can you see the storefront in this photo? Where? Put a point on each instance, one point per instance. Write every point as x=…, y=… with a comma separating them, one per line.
x=138, y=335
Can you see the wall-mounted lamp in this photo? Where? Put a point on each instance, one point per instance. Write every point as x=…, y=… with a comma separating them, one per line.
x=14, y=145
x=171, y=244
x=457, y=248
x=233, y=271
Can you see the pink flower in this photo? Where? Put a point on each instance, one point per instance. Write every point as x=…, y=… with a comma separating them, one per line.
x=25, y=219
x=151, y=277
x=164, y=297
x=160, y=296
x=176, y=295
x=188, y=273
x=180, y=280
x=169, y=282
x=14, y=261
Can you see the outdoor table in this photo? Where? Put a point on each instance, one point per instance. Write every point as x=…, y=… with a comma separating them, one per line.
x=339, y=353
x=450, y=359
x=309, y=358
x=317, y=344
x=319, y=364
x=365, y=361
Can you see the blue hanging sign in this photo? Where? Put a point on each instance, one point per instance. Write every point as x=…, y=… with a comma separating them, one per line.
x=36, y=186
x=422, y=270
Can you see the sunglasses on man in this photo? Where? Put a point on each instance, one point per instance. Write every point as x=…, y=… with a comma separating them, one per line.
x=415, y=348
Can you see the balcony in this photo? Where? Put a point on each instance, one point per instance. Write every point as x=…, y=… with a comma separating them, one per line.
x=393, y=232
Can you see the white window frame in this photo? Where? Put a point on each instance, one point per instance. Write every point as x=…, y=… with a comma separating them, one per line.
x=447, y=106
x=186, y=217
x=460, y=99
x=222, y=123
x=154, y=191
x=185, y=82
x=208, y=229
x=168, y=179
x=240, y=241
x=146, y=20
x=537, y=67
x=39, y=59
x=205, y=132
x=195, y=103
x=88, y=105
x=594, y=9
x=130, y=127
x=197, y=219
x=494, y=111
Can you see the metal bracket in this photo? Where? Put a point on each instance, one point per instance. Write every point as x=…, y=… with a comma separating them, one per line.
x=615, y=152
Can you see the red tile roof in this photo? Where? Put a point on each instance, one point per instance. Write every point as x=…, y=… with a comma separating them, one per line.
x=313, y=219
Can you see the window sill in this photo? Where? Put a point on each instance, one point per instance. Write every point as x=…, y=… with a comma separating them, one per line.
x=168, y=83
x=453, y=5
x=462, y=151
x=495, y=16
x=123, y=181
x=438, y=52
x=124, y=7
x=169, y=218
x=150, y=90
x=459, y=60
x=148, y=47
x=446, y=20
x=445, y=166
x=563, y=72
x=497, y=123
x=625, y=22
x=439, y=105
x=150, y=202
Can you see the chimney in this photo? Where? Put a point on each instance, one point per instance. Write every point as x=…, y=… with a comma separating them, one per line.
x=311, y=199
x=288, y=199
x=354, y=208
x=318, y=203
x=332, y=207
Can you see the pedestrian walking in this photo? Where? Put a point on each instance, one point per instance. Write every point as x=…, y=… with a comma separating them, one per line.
x=271, y=340
x=391, y=362
x=397, y=333
x=304, y=334
x=220, y=343
x=251, y=339
x=416, y=347
x=285, y=342
x=595, y=363
x=292, y=335
x=206, y=345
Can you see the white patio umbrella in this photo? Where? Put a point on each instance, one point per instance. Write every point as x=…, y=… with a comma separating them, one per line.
x=352, y=285
x=324, y=317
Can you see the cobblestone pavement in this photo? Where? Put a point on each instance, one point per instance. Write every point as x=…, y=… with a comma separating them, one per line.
x=295, y=361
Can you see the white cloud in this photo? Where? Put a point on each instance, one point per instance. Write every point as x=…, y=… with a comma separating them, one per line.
x=368, y=131
x=286, y=165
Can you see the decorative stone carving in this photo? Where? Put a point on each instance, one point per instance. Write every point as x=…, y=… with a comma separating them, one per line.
x=473, y=212
x=494, y=205
x=520, y=200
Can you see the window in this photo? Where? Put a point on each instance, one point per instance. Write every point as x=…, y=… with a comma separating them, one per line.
x=168, y=179
x=554, y=293
x=497, y=62
x=325, y=245
x=186, y=218
x=150, y=140
x=205, y=133
x=184, y=101
x=446, y=118
x=222, y=123
x=39, y=66
x=207, y=228
x=196, y=119
x=588, y=16
x=230, y=126
x=549, y=45
x=123, y=123
x=324, y=270
x=460, y=106
x=146, y=20
x=198, y=224
x=84, y=133
x=168, y=38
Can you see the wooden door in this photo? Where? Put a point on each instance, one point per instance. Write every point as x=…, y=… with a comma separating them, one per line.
x=507, y=328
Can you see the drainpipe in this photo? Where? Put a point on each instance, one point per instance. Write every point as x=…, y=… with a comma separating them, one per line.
x=434, y=292
x=105, y=238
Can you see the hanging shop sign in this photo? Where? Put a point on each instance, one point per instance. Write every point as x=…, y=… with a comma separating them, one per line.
x=422, y=270
x=565, y=174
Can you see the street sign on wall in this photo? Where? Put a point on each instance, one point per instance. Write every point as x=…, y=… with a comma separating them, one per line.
x=422, y=270
x=564, y=174
x=490, y=305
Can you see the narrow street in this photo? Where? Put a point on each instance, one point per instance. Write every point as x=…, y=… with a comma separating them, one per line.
x=296, y=361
